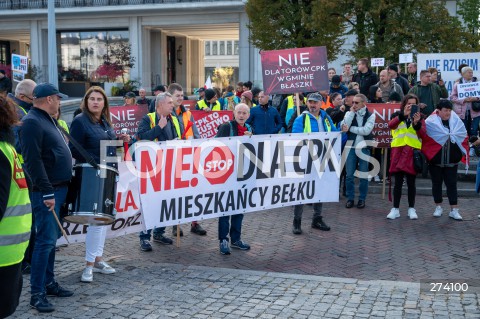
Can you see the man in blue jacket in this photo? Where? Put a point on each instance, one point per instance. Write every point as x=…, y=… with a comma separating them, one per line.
x=313, y=120
x=263, y=118
x=48, y=163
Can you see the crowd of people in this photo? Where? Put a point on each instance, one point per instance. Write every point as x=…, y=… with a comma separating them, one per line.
x=37, y=155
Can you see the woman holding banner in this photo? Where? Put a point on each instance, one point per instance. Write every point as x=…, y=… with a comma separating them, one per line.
x=404, y=125
x=89, y=128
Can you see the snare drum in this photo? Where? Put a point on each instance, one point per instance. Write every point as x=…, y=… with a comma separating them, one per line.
x=91, y=195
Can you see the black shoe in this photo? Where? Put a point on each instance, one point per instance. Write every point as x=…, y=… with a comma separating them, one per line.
x=349, y=204
x=361, y=204
x=145, y=245
x=297, y=226
x=174, y=231
x=197, y=229
x=162, y=239
x=54, y=289
x=318, y=223
x=39, y=301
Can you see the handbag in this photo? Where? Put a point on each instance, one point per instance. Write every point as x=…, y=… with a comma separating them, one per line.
x=476, y=106
x=419, y=161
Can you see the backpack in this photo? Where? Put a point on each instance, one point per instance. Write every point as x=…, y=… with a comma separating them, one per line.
x=231, y=103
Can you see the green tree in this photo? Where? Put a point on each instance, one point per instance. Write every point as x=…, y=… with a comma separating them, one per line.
x=382, y=28
x=284, y=24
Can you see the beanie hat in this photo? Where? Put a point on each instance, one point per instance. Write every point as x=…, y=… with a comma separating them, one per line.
x=209, y=94
x=393, y=67
x=248, y=95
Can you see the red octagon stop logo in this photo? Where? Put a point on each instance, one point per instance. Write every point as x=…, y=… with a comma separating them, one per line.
x=219, y=165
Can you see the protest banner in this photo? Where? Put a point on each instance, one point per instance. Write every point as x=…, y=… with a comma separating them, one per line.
x=181, y=181
x=127, y=117
x=447, y=64
x=376, y=62
x=381, y=132
x=405, y=58
x=468, y=90
x=208, y=122
x=18, y=76
x=295, y=70
x=19, y=63
x=127, y=204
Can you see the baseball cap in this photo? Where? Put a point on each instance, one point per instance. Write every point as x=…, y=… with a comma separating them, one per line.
x=160, y=88
x=47, y=89
x=315, y=97
x=336, y=79
x=130, y=95
x=201, y=90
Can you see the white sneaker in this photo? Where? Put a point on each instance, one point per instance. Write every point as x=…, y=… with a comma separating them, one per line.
x=454, y=214
x=438, y=211
x=412, y=213
x=394, y=213
x=377, y=179
x=472, y=152
x=87, y=275
x=103, y=268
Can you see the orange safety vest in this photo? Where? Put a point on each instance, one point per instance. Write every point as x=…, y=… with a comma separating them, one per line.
x=186, y=116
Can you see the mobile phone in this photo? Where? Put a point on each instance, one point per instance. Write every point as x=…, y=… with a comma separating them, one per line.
x=439, y=76
x=413, y=110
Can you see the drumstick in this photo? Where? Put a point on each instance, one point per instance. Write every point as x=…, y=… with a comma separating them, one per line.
x=60, y=225
x=178, y=236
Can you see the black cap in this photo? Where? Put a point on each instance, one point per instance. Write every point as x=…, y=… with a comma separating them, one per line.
x=351, y=92
x=160, y=88
x=130, y=95
x=209, y=94
x=393, y=67
x=201, y=90
x=336, y=79
x=47, y=89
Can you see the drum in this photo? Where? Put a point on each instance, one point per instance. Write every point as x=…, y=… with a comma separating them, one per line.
x=91, y=195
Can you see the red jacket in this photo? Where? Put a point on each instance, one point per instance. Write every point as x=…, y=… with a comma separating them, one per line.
x=401, y=158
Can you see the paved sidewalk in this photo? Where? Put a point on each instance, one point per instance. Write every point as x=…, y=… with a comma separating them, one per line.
x=153, y=290
x=284, y=275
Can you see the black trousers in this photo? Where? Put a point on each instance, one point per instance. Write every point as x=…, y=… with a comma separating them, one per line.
x=397, y=189
x=449, y=176
x=10, y=288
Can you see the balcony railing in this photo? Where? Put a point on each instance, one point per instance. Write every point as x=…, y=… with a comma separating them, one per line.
x=42, y=4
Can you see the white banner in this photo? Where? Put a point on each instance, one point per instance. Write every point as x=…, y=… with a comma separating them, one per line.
x=405, y=58
x=376, y=62
x=19, y=63
x=129, y=215
x=468, y=90
x=184, y=181
x=447, y=64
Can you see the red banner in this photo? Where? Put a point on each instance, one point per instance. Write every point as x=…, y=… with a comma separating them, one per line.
x=127, y=117
x=295, y=70
x=208, y=122
x=381, y=132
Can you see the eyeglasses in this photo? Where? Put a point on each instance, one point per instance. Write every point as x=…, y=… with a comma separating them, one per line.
x=30, y=98
x=355, y=102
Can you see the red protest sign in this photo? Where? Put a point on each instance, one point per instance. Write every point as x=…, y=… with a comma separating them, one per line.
x=208, y=122
x=383, y=112
x=127, y=117
x=189, y=104
x=295, y=70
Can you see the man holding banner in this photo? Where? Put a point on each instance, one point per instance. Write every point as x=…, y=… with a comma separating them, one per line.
x=190, y=131
x=313, y=120
x=161, y=125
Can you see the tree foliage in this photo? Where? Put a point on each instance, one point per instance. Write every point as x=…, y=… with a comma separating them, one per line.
x=382, y=28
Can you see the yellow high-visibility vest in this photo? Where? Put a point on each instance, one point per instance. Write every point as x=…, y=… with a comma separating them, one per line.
x=201, y=105
x=174, y=121
x=402, y=136
x=17, y=221
x=307, y=128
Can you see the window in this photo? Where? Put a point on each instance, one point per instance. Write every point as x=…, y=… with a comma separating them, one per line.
x=222, y=48
x=214, y=47
x=207, y=48
x=229, y=47
x=235, y=48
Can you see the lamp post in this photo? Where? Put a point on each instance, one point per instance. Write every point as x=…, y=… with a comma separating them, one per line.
x=52, y=45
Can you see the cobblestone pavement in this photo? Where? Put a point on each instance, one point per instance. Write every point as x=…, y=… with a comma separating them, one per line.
x=365, y=267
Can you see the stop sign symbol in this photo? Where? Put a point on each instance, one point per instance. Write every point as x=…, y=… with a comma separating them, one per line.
x=219, y=165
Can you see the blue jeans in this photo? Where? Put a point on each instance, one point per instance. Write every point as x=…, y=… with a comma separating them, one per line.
x=475, y=124
x=47, y=233
x=351, y=166
x=235, y=229
x=146, y=235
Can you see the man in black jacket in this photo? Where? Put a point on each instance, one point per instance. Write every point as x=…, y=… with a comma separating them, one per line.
x=365, y=77
x=48, y=164
x=400, y=80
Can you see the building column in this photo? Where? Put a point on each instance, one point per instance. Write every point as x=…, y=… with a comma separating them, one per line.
x=36, y=47
x=146, y=66
x=135, y=38
x=244, y=49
